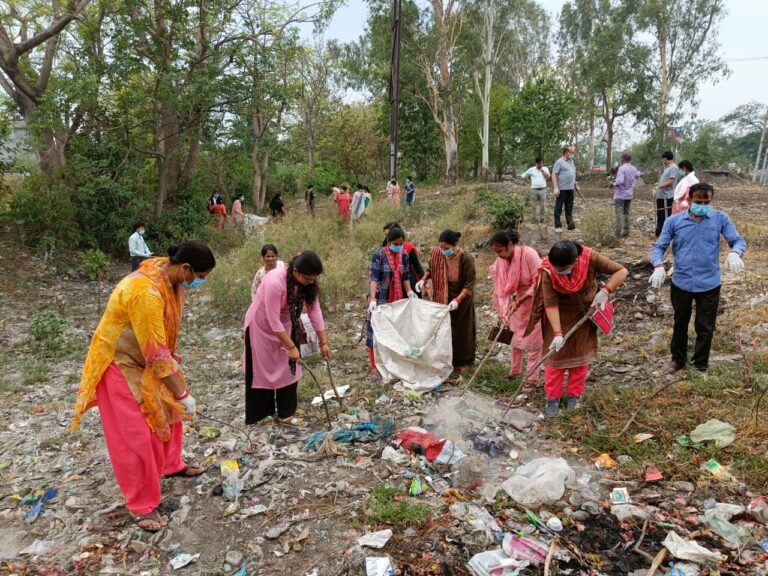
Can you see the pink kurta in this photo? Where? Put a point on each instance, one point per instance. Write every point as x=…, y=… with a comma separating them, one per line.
x=268, y=314
x=237, y=211
x=516, y=276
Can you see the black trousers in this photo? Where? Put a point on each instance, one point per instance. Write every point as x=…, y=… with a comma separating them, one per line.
x=707, y=304
x=260, y=402
x=565, y=198
x=663, y=211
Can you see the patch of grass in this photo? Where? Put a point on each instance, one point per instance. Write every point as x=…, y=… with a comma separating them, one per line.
x=384, y=507
x=37, y=373
x=597, y=225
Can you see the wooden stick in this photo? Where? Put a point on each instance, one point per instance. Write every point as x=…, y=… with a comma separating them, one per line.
x=330, y=377
x=491, y=347
x=322, y=396
x=657, y=562
x=550, y=554
x=645, y=401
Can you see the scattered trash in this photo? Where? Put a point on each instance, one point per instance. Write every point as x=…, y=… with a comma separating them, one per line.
x=604, y=462
x=555, y=524
x=375, y=539
x=690, y=550
x=209, y=432
x=520, y=419
x=417, y=487
x=525, y=548
x=37, y=548
x=642, y=437
x=329, y=395
x=391, y=454
x=721, y=432
x=243, y=571
x=758, y=508
x=541, y=481
x=450, y=454
x=764, y=544
x=620, y=496
x=419, y=441
x=479, y=519
x=653, y=474
x=718, y=471
x=37, y=509
x=231, y=483
x=379, y=566
x=718, y=520
x=490, y=446
x=494, y=563
x=365, y=432
x=686, y=441
x=276, y=531
x=179, y=559
x=626, y=512
x=253, y=510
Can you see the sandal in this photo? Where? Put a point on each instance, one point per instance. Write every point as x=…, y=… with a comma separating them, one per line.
x=188, y=472
x=151, y=522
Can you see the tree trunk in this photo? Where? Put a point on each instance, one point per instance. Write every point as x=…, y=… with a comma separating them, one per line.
x=169, y=165
x=665, y=88
x=609, y=133
x=264, y=177
x=190, y=165
x=591, y=141
x=258, y=133
x=451, y=159
x=760, y=146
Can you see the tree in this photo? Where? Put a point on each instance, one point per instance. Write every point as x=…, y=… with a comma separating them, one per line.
x=747, y=118
x=683, y=41
x=29, y=43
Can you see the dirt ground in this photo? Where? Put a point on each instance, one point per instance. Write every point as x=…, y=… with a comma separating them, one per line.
x=317, y=507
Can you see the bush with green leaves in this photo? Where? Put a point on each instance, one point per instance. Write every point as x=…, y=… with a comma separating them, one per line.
x=46, y=331
x=507, y=210
x=95, y=263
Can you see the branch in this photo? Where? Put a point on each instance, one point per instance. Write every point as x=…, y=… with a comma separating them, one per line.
x=55, y=27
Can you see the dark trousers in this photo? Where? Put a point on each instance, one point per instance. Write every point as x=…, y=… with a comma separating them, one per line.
x=663, y=211
x=704, y=324
x=136, y=262
x=565, y=198
x=261, y=402
x=623, y=211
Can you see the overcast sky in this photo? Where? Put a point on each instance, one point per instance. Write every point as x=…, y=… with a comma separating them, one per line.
x=742, y=35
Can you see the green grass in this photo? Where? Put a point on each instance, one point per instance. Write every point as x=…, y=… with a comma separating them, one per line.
x=384, y=507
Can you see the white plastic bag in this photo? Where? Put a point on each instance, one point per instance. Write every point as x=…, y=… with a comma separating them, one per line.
x=541, y=481
x=690, y=550
x=412, y=343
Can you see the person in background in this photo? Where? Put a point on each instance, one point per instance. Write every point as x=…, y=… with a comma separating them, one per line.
x=564, y=184
x=137, y=247
x=537, y=177
x=272, y=326
x=269, y=255
x=565, y=290
x=277, y=206
x=623, y=193
x=695, y=239
x=410, y=192
x=220, y=210
x=388, y=281
x=514, y=273
x=335, y=191
x=237, y=209
x=133, y=374
x=687, y=178
x=310, y=199
x=415, y=269
x=664, y=191
x=214, y=199
x=452, y=272
x=343, y=201
x=394, y=194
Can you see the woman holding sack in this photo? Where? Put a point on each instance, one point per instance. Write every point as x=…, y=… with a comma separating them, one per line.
x=272, y=358
x=513, y=274
x=452, y=271
x=133, y=374
x=565, y=290
x=388, y=280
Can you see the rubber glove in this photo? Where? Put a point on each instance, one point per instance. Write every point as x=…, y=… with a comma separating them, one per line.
x=556, y=192
x=372, y=306
x=412, y=295
x=453, y=306
x=734, y=263
x=419, y=286
x=557, y=343
x=601, y=299
x=658, y=277
x=190, y=404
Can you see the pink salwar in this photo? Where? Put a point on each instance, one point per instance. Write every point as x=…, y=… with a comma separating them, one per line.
x=554, y=377
x=139, y=458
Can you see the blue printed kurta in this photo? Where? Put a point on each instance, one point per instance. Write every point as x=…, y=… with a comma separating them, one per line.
x=381, y=273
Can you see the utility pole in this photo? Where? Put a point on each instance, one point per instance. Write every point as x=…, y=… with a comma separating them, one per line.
x=760, y=146
x=394, y=89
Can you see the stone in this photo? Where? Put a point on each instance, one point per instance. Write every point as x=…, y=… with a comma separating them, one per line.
x=683, y=486
x=519, y=418
x=234, y=557
x=276, y=531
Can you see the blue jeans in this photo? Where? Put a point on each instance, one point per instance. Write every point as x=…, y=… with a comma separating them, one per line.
x=410, y=198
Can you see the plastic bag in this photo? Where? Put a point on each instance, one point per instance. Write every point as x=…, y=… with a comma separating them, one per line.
x=721, y=432
x=690, y=550
x=541, y=481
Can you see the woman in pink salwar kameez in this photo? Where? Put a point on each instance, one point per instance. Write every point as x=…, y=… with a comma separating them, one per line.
x=513, y=273
x=272, y=358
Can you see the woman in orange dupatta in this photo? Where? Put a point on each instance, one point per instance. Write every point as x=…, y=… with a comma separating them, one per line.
x=132, y=373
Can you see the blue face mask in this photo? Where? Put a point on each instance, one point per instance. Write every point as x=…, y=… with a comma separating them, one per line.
x=701, y=210
x=141, y=232
x=448, y=251
x=196, y=283
x=564, y=272
x=395, y=248
x=680, y=173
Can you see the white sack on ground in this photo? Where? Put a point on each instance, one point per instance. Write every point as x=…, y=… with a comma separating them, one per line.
x=412, y=342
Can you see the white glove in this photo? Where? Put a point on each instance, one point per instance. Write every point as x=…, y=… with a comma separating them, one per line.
x=190, y=404
x=734, y=263
x=658, y=277
x=372, y=306
x=601, y=299
x=557, y=343
x=556, y=192
x=453, y=305
x=412, y=295
x=419, y=286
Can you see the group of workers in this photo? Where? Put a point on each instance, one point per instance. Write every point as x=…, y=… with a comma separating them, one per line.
x=133, y=369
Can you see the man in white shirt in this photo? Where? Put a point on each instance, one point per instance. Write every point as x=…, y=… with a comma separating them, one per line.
x=537, y=176
x=137, y=247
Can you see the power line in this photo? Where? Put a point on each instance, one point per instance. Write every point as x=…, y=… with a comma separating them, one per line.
x=746, y=59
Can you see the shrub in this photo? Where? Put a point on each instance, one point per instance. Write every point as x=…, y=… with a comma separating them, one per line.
x=506, y=210
x=46, y=331
x=598, y=226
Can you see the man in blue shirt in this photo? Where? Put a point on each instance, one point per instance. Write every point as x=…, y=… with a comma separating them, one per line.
x=695, y=238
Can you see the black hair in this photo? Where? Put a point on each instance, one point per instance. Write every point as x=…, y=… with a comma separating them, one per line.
x=309, y=186
x=504, y=237
x=450, y=237
x=390, y=225
x=564, y=253
x=138, y=225
x=409, y=178
x=309, y=264
x=538, y=159
x=195, y=253
x=702, y=189
x=268, y=248
x=668, y=155
x=686, y=164
x=395, y=233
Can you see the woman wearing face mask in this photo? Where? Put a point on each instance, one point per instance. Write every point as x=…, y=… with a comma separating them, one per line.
x=452, y=272
x=387, y=281
x=415, y=269
x=564, y=291
x=272, y=358
x=269, y=255
x=133, y=374
x=687, y=179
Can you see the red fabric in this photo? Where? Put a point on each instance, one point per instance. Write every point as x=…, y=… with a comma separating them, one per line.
x=573, y=282
x=344, y=200
x=603, y=319
x=139, y=458
x=419, y=442
x=396, y=285
x=373, y=362
x=554, y=377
